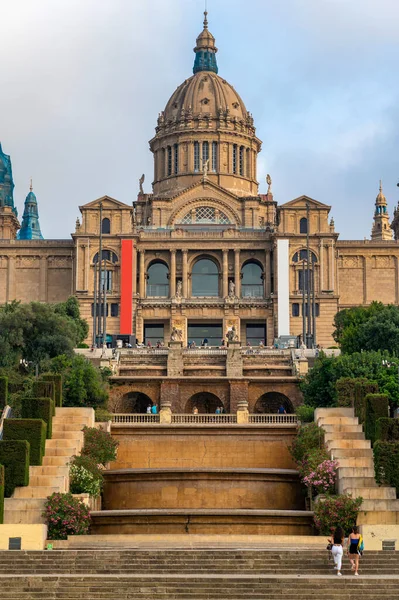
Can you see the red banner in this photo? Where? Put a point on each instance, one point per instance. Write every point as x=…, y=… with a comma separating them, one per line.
x=126, y=318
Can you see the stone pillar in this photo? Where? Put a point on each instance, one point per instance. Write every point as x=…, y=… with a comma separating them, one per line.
x=237, y=273
x=77, y=267
x=239, y=397
x=234, y=360
x=321, y=284
x=170, y=396
x=43, y=279
x=142, y=275
x=225, y=288
x=134, y=274
x=87, y=265
x=332, y=266
x=267, y=274
x=172, y=277
x=175, y=359
x=165, y=413
x=185, y=273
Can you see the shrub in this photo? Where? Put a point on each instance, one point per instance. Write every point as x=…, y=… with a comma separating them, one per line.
x=56, y=380
x=387, y=429
x=99, y=445
x=14, y=455
x=336, y=511
x=1, y=494
x=39, y=408
x=312, y=460
x=362, y=388
x=31, y=430
x=86, y=476
x=305, y=413
x=322, y=479
x=3, y=392
x=43, y=389
x=65, y=515
x=309, y=437
x=386, y=463
x=377, y=405
x=346, y=391
x=102, y=414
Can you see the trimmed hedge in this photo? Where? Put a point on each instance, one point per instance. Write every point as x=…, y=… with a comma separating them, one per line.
x=387, y=430
x=346, y=391
x=14, y=455
x=31, y=430
x=363, y=387
x=39, y=408
x=1, y=494
x=44, y=389
x=57, y=381
x=377, y=406
x=3, y=392
x=386, y=463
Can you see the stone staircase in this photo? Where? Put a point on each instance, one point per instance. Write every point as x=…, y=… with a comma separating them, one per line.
x=346, y=442
x=27, y=503
x=188, y=574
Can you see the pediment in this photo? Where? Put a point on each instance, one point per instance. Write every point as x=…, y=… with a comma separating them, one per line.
x=107, y=202
x=302, y=201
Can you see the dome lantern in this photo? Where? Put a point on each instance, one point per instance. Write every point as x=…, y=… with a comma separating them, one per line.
x=205, y=50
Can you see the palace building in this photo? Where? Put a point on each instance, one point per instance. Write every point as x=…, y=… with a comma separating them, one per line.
x=203, y=252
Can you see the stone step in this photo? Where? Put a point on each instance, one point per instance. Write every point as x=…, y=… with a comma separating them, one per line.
x=339, y=453
x=63, y=443
x=321, y=422
x=76, y=421
x=26, y=517
x=366, y=482
x=55, y=460
x=339, y=411
x=59, y=426
x=347, y=435
x=23, y=504
x=380, y=505
x=352, y=444
x=343, y=429
x=356, y=462
x=65, y=435
x=66, y=453
x=371, y=493
x=49, y=471
x=35, y=492
x=345, y=472
x=49, y=481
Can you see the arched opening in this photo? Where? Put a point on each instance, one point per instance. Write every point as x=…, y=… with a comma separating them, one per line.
x=204, y=402
x=252, y=280
x=106, y=255
x=205, y=278
x=135, y=402
x=303, y=225
x=106, y=226
x=158, y=280
x=270, y=403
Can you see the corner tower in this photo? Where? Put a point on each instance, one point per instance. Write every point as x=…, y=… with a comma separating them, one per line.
x=9, y=223
x=381, y=227
x=30, y=229
x=205, y=128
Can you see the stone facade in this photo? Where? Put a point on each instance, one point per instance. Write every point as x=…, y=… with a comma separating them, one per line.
x=204, y=223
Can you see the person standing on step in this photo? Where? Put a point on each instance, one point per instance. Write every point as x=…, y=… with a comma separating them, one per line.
x=354, y=543
x=337, y=549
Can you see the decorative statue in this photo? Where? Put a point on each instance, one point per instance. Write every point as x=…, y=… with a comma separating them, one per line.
x=395, y=223
x=269, y=183
x=205, y=167
x=179, y=288
x=232, y=288
x=175, y=336
x=141, y=181
x=231, y=334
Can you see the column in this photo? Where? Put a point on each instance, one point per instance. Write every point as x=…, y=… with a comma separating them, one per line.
x=225, y=291
x=76, y=266
x=185, y=273
x=172, y=279
x=332, y=266
x=267, y=274
x=237, y=273
x=134, y=269
x=87, y=266
x=321, y=248
x=142, y=275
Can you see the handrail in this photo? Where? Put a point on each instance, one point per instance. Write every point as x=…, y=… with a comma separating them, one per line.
x=6, y=414
x=212, y=419
x=135, y=418
x=273, y=419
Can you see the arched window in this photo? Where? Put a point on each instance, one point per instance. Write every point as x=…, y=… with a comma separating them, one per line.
x=106, y=255
x=205, y=278
x=214, y=165
x=205, y=153
x=252, y=281
x=247, y=162
x=303, y=225
x=242, y=160
x=196, y=157
x=176, y=158
x=205, y=214
x=106, y=226
x=158, y=280
x=169, y=160
x=234, y=158
x=303, y=255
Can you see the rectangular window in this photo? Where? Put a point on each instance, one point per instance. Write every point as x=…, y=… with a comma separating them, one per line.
x=176, y=158
x=214, y=156
x=114, y=310
x=100, y=307
x=247, y=162
x=317, y=309
x=153, y=333
x=169, y=160
x=242, y=160
x=107, y=277
x=205, y=153
x=303, y=278
x=295, y=309
x=196, y=157
x=256, y=333
x=234, y=158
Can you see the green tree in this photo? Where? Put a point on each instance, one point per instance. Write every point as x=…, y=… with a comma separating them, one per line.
x=84, y=384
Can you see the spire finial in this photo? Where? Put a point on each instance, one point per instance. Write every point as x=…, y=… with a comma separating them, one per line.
x=380, y=185
x=205, y=19
x=31, y=185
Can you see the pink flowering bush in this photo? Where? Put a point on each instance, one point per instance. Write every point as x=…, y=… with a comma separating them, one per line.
x=65, y=515
x=336, y=510
x=322, y=478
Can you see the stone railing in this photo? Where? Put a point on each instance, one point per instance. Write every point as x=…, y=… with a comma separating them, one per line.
x=273, y=419
x=205, y=351
x=204, y=419
x=145, y=350
x=135, y=419
x=6, y=414
x=265, y=351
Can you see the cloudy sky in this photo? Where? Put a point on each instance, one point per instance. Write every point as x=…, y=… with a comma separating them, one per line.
x=82, y=82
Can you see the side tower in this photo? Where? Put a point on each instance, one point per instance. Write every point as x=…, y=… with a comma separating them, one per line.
x=30, y=229
x=381, y=227
x=9, y=223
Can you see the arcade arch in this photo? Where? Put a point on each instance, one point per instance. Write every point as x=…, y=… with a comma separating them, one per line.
x=270, y=402
x=205, y=402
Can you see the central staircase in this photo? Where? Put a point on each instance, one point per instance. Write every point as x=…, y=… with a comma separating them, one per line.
x=193, y=574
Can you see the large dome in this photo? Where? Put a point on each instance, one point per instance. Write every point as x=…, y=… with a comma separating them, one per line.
x=205, y=93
